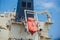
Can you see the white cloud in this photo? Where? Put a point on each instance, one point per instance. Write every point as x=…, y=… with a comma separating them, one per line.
x=48, y=5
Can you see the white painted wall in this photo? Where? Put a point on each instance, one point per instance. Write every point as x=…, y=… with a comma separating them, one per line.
x=15, y=31
x=45, y=29
x=4, y=34
x=18, y=32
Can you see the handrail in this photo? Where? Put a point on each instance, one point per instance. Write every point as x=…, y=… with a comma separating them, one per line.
x=37, y=12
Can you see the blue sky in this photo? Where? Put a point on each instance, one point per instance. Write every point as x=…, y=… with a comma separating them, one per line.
x=7, y=5
x=53, y=6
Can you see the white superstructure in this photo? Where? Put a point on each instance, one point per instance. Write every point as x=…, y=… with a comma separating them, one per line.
x=9, y=29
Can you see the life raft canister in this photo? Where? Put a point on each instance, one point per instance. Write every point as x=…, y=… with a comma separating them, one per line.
x=32, y=26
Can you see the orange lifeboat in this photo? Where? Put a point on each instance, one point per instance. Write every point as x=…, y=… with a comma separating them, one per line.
x=32, y=26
